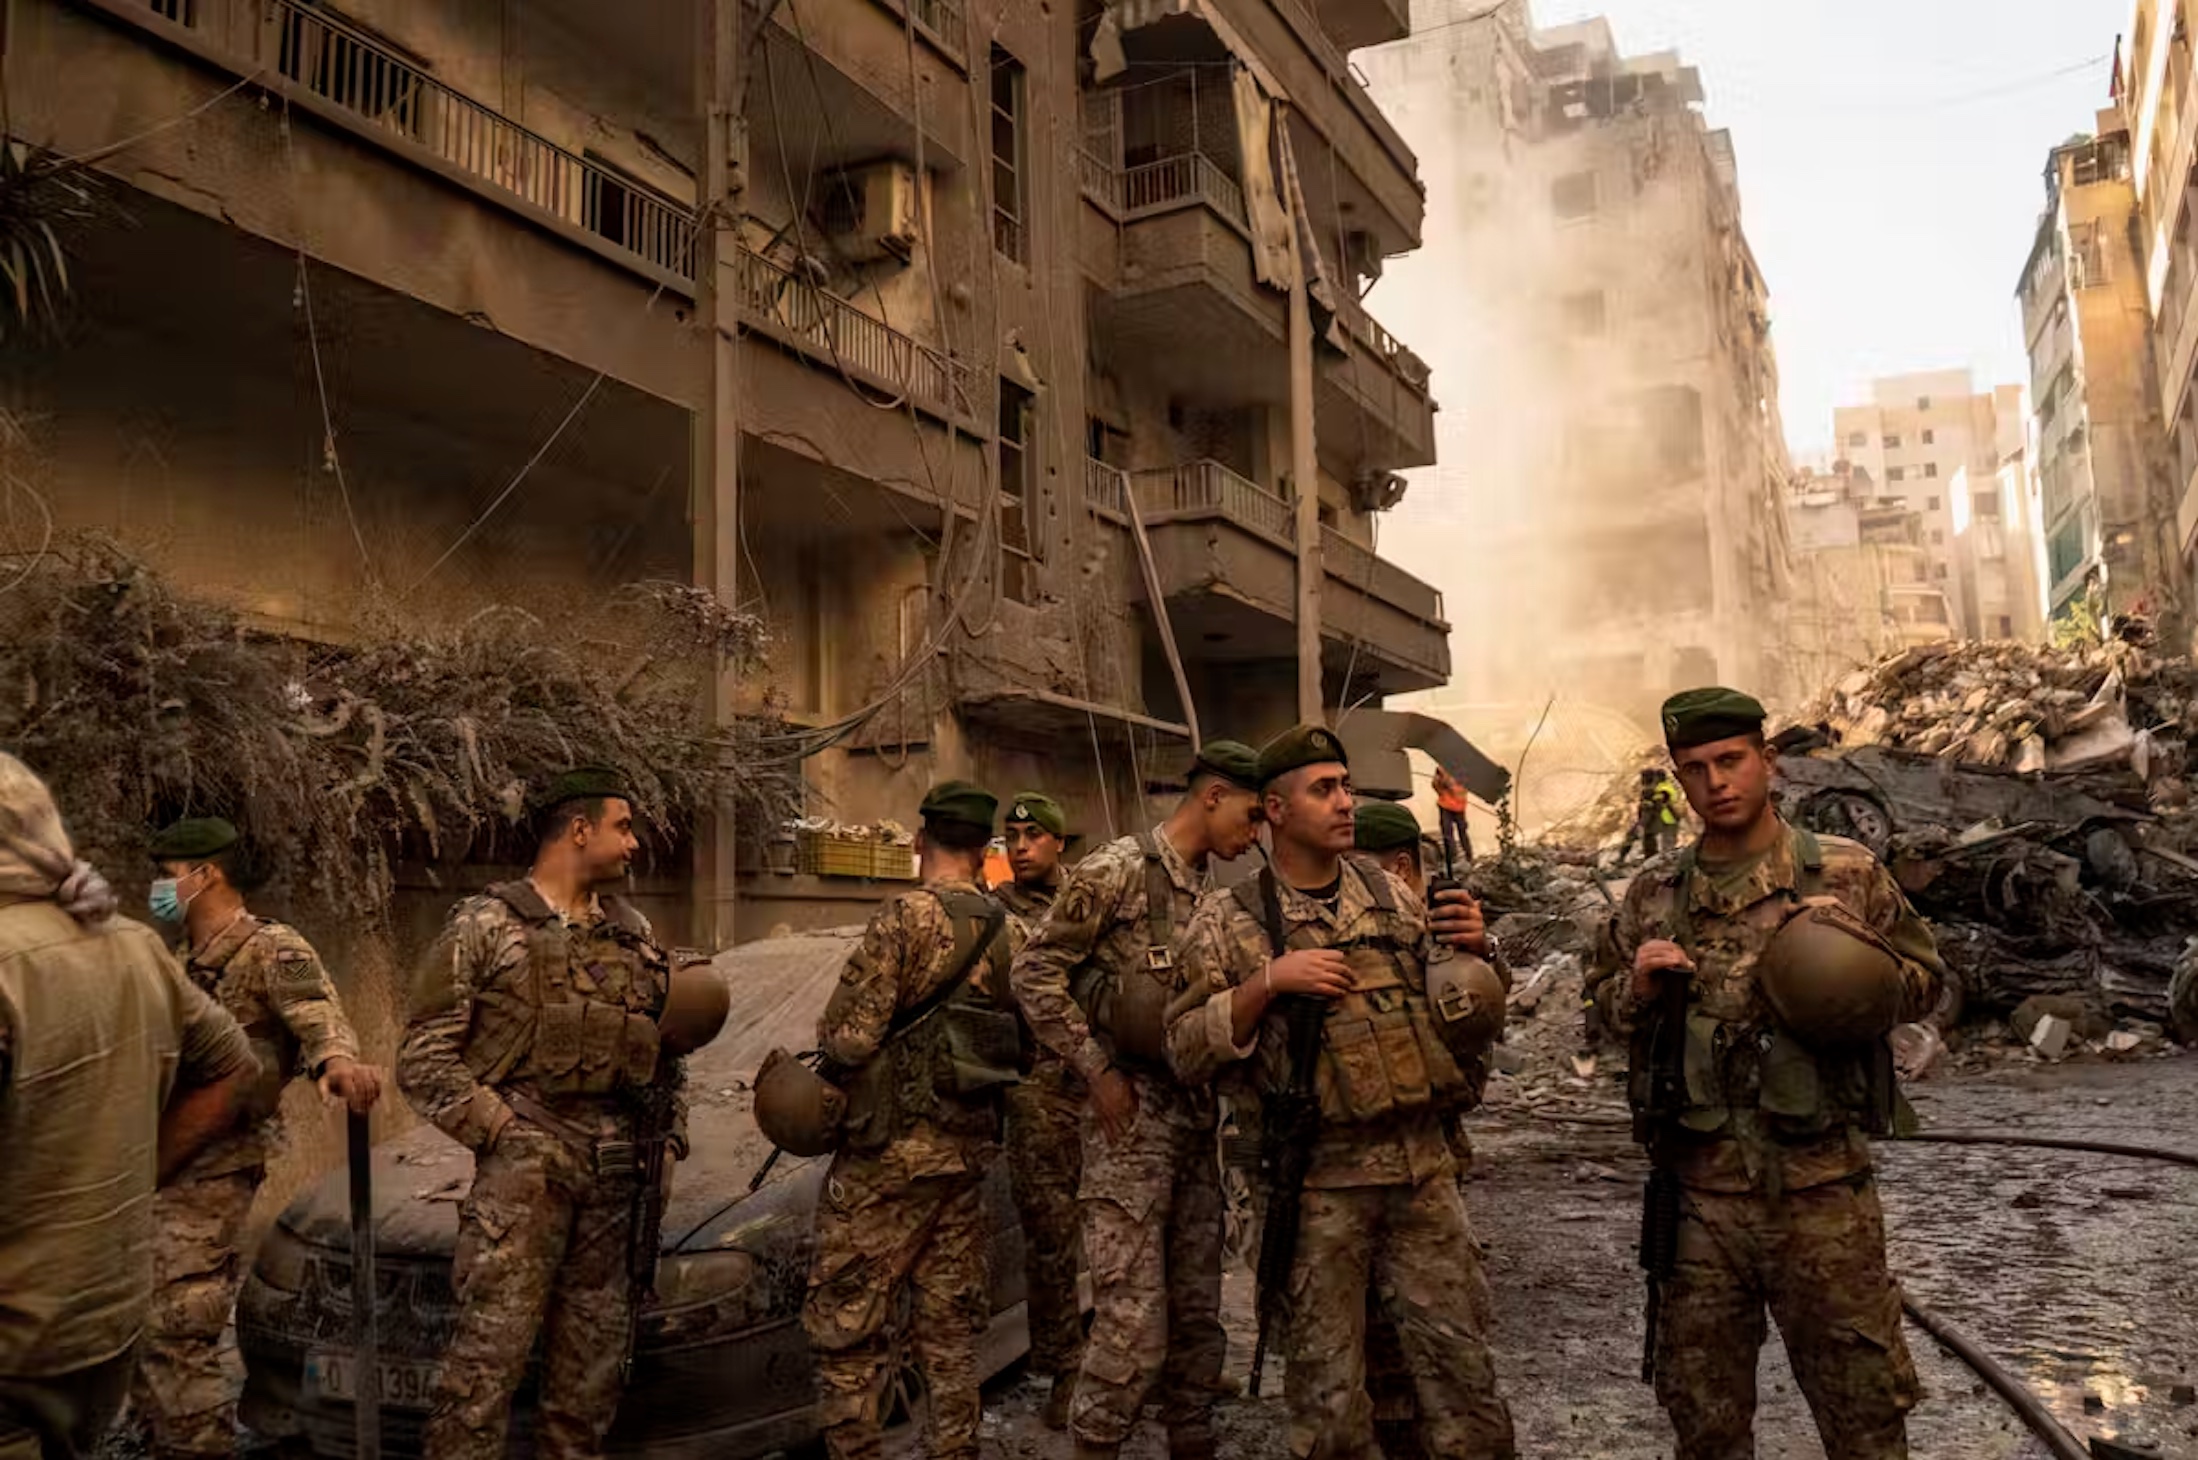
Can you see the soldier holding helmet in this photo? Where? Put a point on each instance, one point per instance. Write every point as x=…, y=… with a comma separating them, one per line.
x=1796, y=954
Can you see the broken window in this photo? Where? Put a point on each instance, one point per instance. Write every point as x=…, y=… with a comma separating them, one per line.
x=1892, y=443
x=1018, y=496
x=1586, y=313
x=1573, y=196
x=1930, y=438
x=2007, y=626
x=1896, y=474
x=182, y=12
x=1931, y=504
x=1007, y=155
x=1930, y=468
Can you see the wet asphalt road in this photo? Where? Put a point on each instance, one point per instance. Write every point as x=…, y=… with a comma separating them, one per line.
x=2078, y=1272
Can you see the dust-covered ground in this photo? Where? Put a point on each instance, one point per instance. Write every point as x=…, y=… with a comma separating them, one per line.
x=2074, y=1271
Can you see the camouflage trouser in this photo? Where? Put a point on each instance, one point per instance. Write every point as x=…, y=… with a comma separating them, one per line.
x=880, y=1235
x=1152, y=1233
x=1045, y=1163
x=543, y=1248
x=1388, y=1377
x=1413, y=1247
x=63, y=1416
x=1816, y=1261
x=188, y=1378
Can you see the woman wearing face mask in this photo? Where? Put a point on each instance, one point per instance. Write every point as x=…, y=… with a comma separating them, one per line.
x=270, y=979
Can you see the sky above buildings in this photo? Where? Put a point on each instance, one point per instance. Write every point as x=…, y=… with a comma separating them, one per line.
x=1892, y=156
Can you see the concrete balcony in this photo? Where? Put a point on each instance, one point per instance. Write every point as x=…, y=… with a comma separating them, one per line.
x=1226, y=552
x=400, y=178
x=1351, y=24
x=1180, y=297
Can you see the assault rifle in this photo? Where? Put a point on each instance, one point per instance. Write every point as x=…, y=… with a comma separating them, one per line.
x=1666, y=1040
x=1292, y=1120
x=653, y=1134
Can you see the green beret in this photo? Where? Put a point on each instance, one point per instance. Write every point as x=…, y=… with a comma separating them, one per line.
x=581, y=783
x=1039, y=810
x=1384, y=826
x=962, y=803
x=1704, y=716
x=1300, y=745
x=1232, y=760
x=193, y=839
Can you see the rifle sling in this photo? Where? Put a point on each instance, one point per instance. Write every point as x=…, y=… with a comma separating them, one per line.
x=995, y=920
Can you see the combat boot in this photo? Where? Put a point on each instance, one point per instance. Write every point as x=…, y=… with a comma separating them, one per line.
x=1054, y=1416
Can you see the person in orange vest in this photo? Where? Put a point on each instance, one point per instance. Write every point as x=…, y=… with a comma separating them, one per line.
x=1457, y=839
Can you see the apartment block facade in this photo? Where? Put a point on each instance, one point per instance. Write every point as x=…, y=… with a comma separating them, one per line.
x=1863, y=580
x=2105, y=460
x=404, y=318
x=1612, y=465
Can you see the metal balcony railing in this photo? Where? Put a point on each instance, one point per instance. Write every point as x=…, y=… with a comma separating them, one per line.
x=1106, y=487
x=354, y=71
x=836, y=330
x=1194, y=487
x=1186, y=178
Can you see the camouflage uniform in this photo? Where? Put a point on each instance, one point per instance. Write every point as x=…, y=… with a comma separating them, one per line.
x=532, y=1041
x=188, y=1380
x=1045, y=1158
x=903, y=1211
x=1380, y=1207
x=1773, y=1217
x=1152, y=1199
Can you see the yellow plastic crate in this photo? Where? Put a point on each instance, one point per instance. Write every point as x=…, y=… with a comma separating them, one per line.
x=822, y=854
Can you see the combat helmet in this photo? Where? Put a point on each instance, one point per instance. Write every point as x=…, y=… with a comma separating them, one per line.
x=1468, y=997
x=1830, y=977
x=797, y=1109
x=696, y=1006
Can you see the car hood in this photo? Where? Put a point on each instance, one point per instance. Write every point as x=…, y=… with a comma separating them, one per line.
x=778, y=986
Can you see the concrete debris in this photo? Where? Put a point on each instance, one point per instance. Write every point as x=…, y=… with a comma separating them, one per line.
x=2050, y=1037
x=2123, y=1041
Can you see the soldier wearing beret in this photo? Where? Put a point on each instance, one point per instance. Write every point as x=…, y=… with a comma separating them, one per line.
x=269, y=979
x=1044, y=1149
x=1388, y=836
x=533, y=1041
x=903, y=1211
x=1778, y=1208
x=1094, y=984
x=1321, y=934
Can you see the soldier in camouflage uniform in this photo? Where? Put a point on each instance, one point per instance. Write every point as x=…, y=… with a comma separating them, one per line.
x=272, y=983
x=1380, y=1207
x=923, y=1035
x=1780, y=1208
x=533, y=1042
x=1094, y=985
x=1044, y=1146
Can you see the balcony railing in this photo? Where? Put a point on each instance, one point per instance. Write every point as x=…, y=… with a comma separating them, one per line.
x=832, y=328
x=359, y=74
x=1106, y=488
x=1206, y=486
x=1203, y=486
x=1186, y=178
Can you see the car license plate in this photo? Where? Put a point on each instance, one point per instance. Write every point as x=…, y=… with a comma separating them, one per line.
x=334, y=1374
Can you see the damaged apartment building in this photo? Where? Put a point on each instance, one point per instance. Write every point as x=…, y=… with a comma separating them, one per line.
x=403, y=318
x=1863, y=586
x=1613, y=464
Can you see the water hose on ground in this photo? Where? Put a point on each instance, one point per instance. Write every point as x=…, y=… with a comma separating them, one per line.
x=2055, y=1436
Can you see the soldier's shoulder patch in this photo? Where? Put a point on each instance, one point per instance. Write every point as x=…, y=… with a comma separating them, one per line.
x=1845, y=852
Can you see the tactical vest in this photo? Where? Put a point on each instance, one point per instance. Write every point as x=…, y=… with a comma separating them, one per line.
x=946, y=1061
x=1381, y=1048
x=1754, y=1079
x=1128, y=1008
x=583, y=1021
x=273, y=1045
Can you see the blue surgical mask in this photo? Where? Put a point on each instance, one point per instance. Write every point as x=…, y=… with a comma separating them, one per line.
x=167, y=906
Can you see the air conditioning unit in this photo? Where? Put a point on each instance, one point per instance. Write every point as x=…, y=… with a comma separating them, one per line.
x=873, y=212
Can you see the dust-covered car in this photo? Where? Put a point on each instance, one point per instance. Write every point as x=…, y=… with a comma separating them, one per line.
x=722, y=1367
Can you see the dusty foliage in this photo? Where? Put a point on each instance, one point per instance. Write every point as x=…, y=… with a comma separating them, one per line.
x=139, y=703
x=42, y=196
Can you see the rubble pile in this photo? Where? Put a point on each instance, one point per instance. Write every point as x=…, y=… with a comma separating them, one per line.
x=2034, y=804
x=2026, y=708
x=1613, y=813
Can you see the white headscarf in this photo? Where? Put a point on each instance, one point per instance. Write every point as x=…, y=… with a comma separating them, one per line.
x=36, y=860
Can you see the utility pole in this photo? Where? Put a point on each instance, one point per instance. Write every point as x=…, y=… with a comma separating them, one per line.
x=1305, y=478
x=714, y=472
